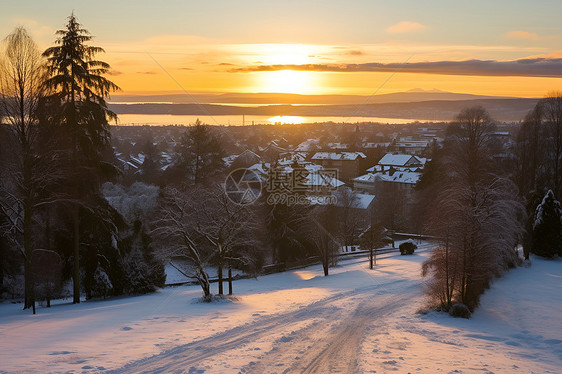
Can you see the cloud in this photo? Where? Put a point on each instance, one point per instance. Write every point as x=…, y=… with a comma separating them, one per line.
x=405, y=27
x=528, y=67
x=354, y=52
x=35, y=28
x=522, y=35
x=551, y=55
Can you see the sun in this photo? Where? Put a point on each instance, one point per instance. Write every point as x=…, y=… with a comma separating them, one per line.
x=286, y=81
x=287, y=120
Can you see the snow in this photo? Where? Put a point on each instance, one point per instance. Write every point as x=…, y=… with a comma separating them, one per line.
x=335, y=156
x=360, y=200
x=408, y=177
x=354, y=320
x=391, y=159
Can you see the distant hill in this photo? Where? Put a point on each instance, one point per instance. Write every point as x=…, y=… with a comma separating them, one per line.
x=509, y=109
x=415, y=95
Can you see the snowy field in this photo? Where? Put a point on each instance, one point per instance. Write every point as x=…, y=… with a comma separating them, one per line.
x=355, y=320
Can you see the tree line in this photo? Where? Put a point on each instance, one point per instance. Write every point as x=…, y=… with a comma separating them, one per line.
x=55, y=223
x=484, y=198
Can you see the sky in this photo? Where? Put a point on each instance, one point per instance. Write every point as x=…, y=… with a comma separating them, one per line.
x=500, y=47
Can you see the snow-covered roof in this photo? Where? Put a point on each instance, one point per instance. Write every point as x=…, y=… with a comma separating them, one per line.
x=412, y=143
x=369, y=177
x=408, y=177
x=360, y=201
x=375, y=145
x=400, y=177
x=337, y=145
x=260, y=168
x=391, y=159
x=321, y=180
x=308, y=145
x=347, y=156
x=136, y=161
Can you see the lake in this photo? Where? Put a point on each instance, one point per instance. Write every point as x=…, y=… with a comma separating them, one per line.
x=237, y=120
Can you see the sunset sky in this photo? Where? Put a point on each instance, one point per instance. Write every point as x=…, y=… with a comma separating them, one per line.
x=506, y=47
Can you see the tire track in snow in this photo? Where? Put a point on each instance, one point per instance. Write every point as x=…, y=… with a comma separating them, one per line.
x=335, y=347
x=181, y=357
x=334, y=350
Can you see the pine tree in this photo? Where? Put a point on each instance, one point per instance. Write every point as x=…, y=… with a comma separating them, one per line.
x=78, y=113
x=547, y=226
x=201, y=151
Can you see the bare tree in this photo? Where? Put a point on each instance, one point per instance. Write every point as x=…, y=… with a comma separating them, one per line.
x=371, y=239
x=349, y=217
x=529, y=150
x=228, y=228
x=477, y=215
x=552, y=115
x=320, y=227
x=175, y=239
x=391, y=204
x=22, y=71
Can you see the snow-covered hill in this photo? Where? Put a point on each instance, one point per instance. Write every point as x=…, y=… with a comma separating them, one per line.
x=355, y=320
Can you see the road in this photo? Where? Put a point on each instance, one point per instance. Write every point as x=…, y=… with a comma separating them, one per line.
x=323, y=337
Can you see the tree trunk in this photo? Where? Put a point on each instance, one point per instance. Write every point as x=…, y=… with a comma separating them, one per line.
x=27, y=243
x=204, y=283
x=229, y=279
x=447, y=290
x=220, y=279
x=371, y=259
x=76, y=269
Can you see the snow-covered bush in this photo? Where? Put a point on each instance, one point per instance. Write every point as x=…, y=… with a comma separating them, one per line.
x=12, y=287
x=547, y=226
x=102, y=285
x=459, y=311
x=137, y=274
x=407, y=248
x=142, y=272
x=133, y=203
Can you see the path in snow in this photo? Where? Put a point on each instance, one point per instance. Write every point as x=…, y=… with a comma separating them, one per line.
x=324, y=337
x=354, y=321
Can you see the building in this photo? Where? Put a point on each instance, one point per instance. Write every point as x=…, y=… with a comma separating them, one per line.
x=348, y=164
x=410, y=146
x=402, y=169
x=398, y=162
x=370, y=183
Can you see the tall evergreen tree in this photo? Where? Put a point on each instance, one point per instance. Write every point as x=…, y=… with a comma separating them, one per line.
x=202, y=152
x=547, y=226
x=78, y=112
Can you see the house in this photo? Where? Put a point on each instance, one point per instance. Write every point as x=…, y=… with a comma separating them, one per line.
x=410, y=146
x=245, y=159
x=370, y=183
x=309, y=145
x=403, y=162
x=306, y=177
x=347, y=164
x=402, y=169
